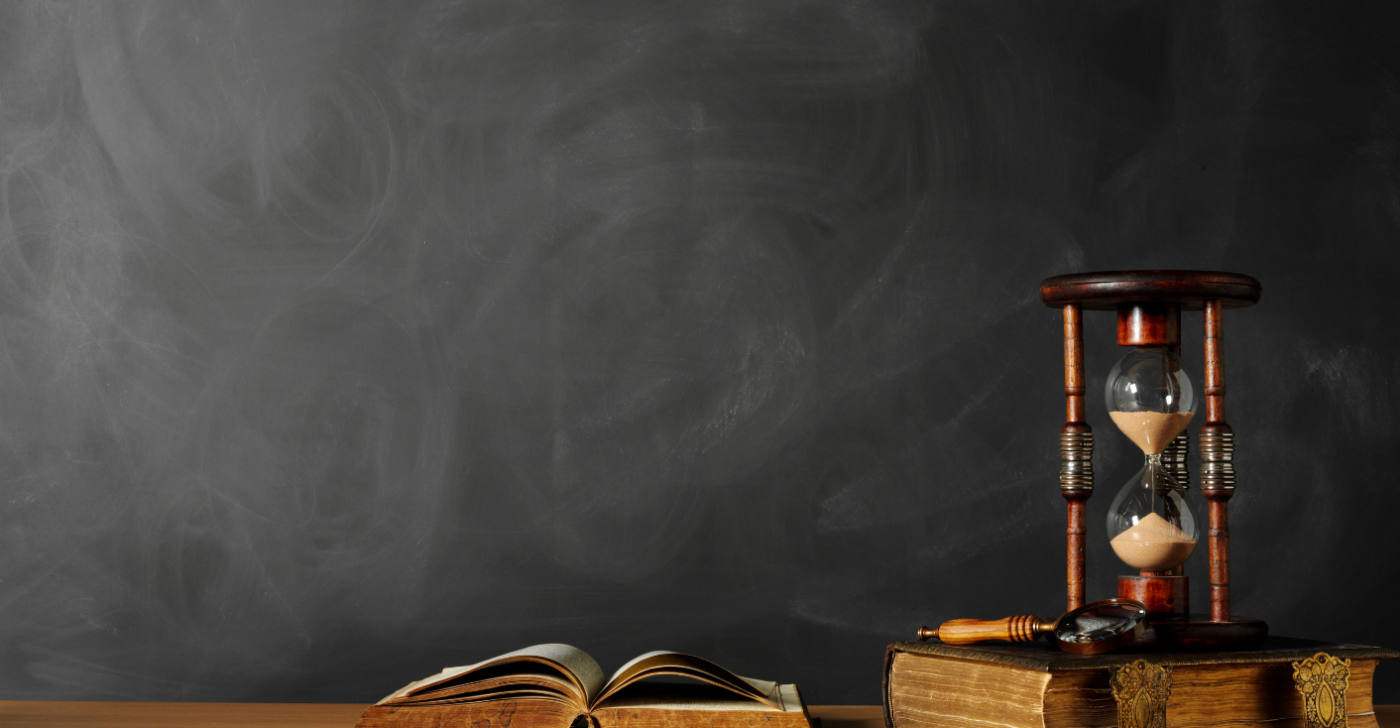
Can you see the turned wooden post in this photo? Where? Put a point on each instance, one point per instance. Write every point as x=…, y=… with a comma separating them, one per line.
x=1076, y=456
x=1217, y=446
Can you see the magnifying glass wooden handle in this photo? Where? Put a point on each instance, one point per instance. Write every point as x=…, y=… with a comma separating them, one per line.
x=972, y=631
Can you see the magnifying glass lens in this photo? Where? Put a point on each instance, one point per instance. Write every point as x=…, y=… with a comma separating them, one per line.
x=1099, y=621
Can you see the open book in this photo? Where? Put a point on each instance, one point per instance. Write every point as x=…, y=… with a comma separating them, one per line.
x=558, y=686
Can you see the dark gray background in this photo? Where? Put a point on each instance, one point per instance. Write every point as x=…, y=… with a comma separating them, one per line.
x=341, y=342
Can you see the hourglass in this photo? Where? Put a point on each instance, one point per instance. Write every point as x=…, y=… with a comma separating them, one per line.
x=1152, y=526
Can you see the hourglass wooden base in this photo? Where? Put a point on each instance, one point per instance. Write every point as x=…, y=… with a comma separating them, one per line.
x=1164, y=596
x=1200, y=632
x=1171, y=626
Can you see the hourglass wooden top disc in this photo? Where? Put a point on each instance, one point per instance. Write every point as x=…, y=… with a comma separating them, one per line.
x=1108, y=290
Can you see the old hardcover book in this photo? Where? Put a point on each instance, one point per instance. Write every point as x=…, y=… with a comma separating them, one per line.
x=933, y=684
x=558, y=686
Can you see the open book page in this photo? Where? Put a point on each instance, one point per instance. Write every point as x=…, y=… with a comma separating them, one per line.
x=674, y=697
x=492, y=684
x=681, y=665
x=511, y=695
x=584, y=678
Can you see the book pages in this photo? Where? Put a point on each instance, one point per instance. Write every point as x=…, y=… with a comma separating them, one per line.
x=672, y=696
x=539, y=681
x=583, y=673
x=681, y=665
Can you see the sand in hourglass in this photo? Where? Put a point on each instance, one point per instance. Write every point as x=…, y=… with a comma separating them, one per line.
x=1151, y=431
x=1153, y=544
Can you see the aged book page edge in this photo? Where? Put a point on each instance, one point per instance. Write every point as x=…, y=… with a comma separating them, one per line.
x=934, y=693
x=692, y=717
x=678, y=697
x=494, y=714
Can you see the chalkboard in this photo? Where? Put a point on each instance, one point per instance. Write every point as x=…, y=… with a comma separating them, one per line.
x=340, y=342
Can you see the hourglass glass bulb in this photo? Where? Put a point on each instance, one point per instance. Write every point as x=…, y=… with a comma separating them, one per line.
x=1149, y=398
x=1150, y=524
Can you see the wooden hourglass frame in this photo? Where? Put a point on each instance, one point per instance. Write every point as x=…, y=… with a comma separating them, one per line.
x=1149, y=306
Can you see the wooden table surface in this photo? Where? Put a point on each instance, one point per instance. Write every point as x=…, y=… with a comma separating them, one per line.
x=25, y=714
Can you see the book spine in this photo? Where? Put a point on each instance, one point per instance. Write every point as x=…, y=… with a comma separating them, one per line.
x=885, y=685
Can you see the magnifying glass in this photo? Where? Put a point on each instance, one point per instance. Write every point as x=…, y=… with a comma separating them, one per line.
x=1089, y=630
